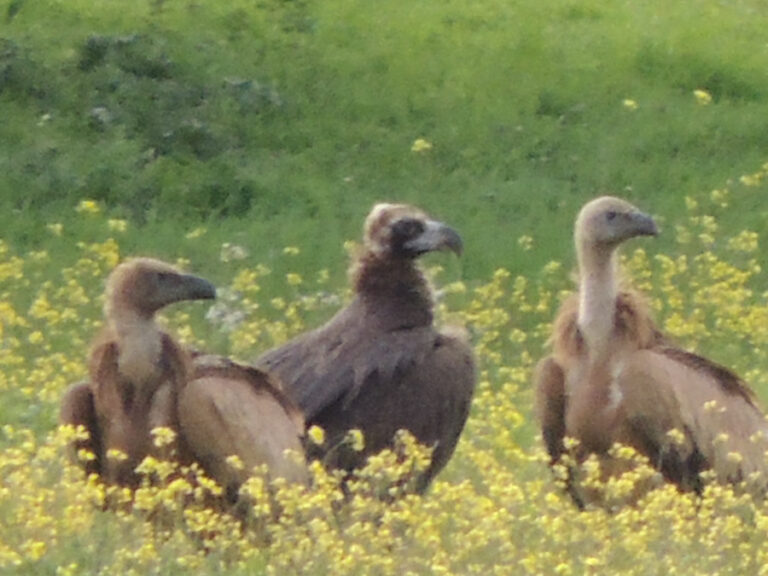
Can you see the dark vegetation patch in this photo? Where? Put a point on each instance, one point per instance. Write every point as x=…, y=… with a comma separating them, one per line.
x=293, y=117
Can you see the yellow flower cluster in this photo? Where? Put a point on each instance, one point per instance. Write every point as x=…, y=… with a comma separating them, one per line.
x=497, y=508
x=702, y=97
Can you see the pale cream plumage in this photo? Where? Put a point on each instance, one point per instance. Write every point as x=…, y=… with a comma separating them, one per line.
x=613, y=377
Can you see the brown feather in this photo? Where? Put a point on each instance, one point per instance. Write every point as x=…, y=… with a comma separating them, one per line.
x=77, y=409
x=232, y=410
x=725, y=378
x=613, y=377
x=633, y=322
x=550, y=400
x=380, y=365
x=126, y=415
x=655, y=403
x=136, y=370
x=214, y=366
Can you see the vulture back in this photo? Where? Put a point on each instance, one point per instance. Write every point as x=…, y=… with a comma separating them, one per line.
x=347, y=377
x=228, y=409
x=684, y=412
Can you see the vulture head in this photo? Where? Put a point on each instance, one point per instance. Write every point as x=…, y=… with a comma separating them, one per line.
x=399, y=231
x=601, y=226
x=606, y=222
x=144, y=285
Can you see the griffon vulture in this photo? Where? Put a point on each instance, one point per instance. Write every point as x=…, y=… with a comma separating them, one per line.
x=232, y=410
x=136, y=370
x=613, y=377
x=380, y=365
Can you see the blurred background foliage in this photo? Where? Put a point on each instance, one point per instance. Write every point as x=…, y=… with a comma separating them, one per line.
x=279, y=122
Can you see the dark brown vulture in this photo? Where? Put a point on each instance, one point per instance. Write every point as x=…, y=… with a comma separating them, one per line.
x=380, y=365
x=232, y=410
x=613, y=377
x=136, y=369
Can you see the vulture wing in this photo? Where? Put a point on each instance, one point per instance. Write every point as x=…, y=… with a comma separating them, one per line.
x=719, y=425
x=550, y=404
x=334, y=363
x=230, y=410
x=77, y=409
x=550, y=400
x=380, y=382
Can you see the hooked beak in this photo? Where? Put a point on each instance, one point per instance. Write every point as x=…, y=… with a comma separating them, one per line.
x=178, y=288
x=644, y=224
x=197, y=288
x=436, y=236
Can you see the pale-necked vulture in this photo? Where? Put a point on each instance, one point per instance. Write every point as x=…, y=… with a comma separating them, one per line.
x=136, y=369
x=380, y=365
x=613, y=377
x=228, y=409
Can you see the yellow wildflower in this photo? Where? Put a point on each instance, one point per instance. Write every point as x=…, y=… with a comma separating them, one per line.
x=421, y=145
x=196, y=233
x=317, y=435
x=525, y=242
x=629, y=104
x=356, y=439
x=117, y=225
x=702, y=97
x=235, y=462
x=163, y=436
x=87, y=207
x=116, y=455
x=293, y=279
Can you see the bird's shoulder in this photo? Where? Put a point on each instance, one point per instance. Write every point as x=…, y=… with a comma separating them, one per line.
x=175, y=362
x=102, y=362
x=727, y=381
x=549, y=384
x=216, y=367
x=633, y=323
x=448, y=352
x=353, y=351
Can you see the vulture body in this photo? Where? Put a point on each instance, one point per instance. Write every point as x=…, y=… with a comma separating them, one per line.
x=380, y=365
x=614, y=377
x=232, y=410
x=136, y=370
x=141, y=379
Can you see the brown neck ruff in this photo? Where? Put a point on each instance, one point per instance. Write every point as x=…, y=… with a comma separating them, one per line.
x=394, y=289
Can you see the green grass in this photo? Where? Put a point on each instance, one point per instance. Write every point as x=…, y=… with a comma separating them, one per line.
x=277, y=123
x=273, y=123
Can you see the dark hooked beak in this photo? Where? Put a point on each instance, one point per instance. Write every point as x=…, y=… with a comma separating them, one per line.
x=197, y=288
x=180, y=287
x=644, y=224
x=436, y=236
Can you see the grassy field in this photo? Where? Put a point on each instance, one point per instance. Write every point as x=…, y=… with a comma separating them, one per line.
x=185, y=130
x=277, y=123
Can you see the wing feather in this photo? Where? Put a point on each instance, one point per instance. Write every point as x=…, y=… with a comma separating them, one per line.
x=725, y=378
x=718, y=423
x=77, y=409
x=223, y=415
x=549, y=384
x=336, y=361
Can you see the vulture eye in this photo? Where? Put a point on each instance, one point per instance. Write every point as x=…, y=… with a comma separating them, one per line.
x=407, y=228
x=610, y=215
